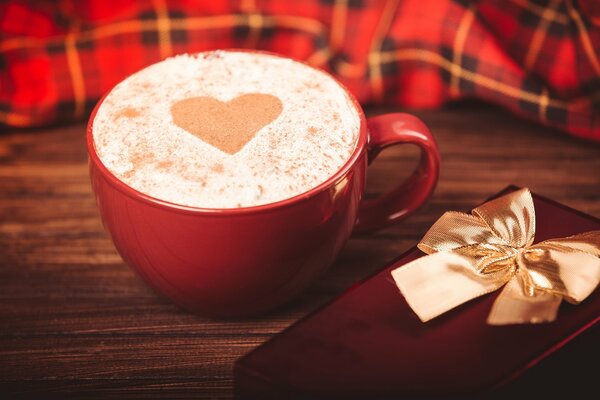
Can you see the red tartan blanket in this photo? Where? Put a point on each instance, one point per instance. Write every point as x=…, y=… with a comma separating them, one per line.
x=539, y=58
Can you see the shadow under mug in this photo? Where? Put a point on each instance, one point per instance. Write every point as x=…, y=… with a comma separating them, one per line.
x=246, y=261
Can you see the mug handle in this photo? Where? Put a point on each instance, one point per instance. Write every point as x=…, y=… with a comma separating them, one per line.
x=389, y=130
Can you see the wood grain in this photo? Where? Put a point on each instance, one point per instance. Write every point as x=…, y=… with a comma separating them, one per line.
x=75, y=320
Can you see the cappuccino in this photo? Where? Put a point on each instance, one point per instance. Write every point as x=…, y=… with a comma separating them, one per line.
x=226, y=129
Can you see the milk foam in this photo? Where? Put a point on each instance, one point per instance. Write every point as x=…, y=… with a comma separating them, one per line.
x=136, y=139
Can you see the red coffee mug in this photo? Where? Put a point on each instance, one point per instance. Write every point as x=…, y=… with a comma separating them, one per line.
x=243, y=262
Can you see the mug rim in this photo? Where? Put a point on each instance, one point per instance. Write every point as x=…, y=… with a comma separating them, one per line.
x=268, y=207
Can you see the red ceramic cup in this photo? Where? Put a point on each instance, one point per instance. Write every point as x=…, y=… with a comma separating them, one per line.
x=242, y=262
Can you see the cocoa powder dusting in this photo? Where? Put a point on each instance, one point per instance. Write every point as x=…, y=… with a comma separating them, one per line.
x=128, y=174
x=227, y=126
x=127, y=112
x=313, y=85
x=165, y=164
x=138, y=159
x=217, y=168
x=141, y=155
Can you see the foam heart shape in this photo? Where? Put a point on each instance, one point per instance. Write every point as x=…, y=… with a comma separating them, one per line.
x=229, y=125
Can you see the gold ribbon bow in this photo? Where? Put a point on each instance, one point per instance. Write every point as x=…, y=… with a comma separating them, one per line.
x=471, y=255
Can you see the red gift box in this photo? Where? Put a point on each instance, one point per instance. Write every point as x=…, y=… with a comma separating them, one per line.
x=368, y=343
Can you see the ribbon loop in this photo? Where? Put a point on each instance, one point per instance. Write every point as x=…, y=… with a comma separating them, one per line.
x=510, y=217
x=454, y=230
x=471, y=255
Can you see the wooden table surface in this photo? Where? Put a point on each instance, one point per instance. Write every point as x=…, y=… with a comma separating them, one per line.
x=75, y=319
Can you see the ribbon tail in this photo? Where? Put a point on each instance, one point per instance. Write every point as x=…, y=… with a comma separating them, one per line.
x=439, y=282
x=513, y=306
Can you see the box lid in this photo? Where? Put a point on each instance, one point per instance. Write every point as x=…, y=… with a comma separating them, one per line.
x=368, y=342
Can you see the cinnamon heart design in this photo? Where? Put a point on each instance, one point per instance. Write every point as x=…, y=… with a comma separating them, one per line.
x=228, y=125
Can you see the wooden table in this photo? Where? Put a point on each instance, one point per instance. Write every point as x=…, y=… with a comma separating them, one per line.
x=75, y=319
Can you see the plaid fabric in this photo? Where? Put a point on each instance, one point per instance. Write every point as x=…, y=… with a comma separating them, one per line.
x=537, y=58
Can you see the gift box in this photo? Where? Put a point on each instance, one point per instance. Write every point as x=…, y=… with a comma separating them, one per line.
x=369, y=343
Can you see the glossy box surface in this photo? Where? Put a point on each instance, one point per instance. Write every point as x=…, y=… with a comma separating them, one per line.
x=368, y=343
